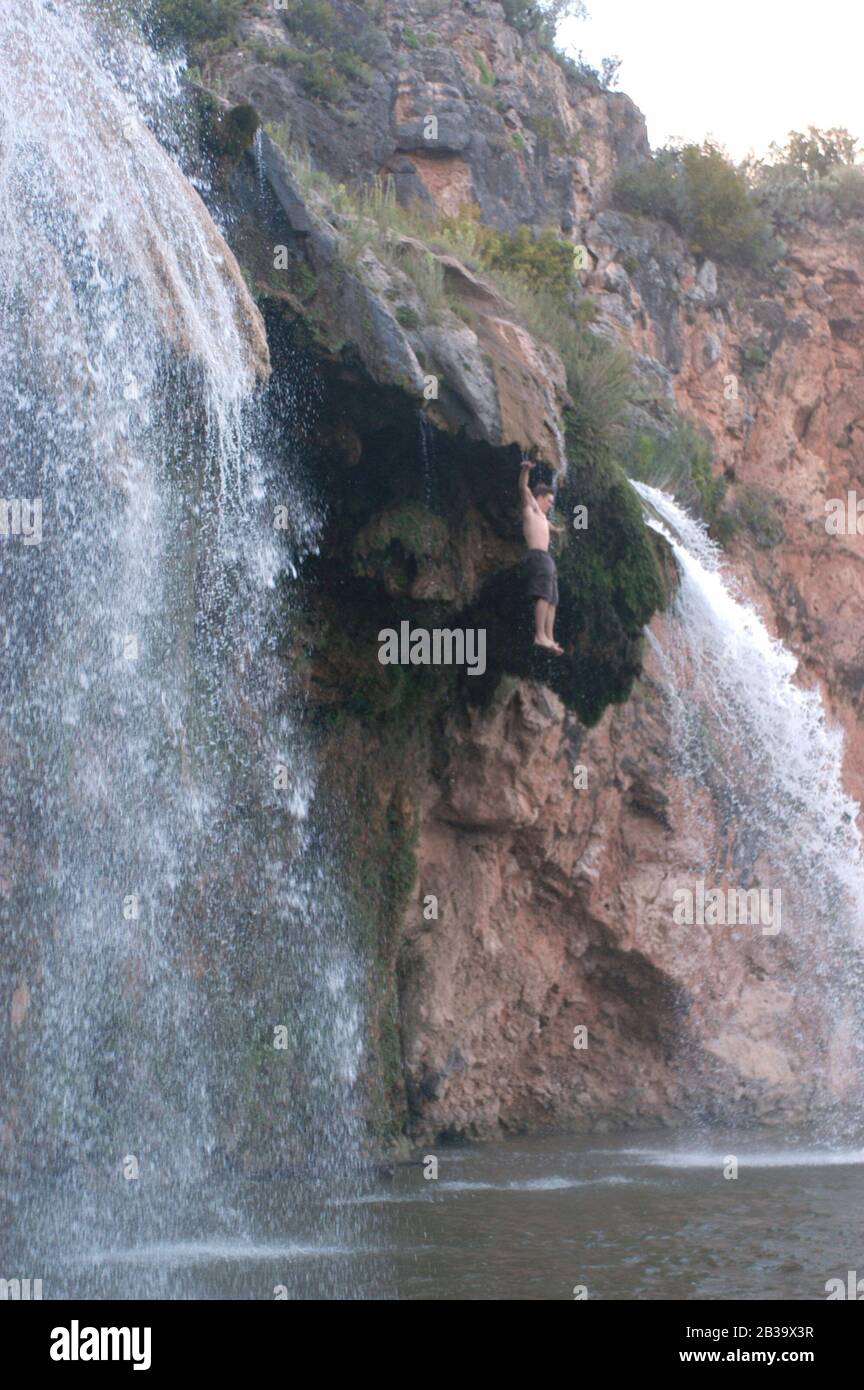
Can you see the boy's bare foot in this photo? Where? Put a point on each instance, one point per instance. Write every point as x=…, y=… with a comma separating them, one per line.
x=548, y=646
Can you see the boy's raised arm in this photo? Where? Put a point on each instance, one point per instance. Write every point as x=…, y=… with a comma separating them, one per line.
x=526, y=497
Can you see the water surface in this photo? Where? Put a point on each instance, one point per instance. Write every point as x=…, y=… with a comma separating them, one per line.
x=646, y=1217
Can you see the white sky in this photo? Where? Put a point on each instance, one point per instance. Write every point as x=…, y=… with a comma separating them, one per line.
x=743, y=71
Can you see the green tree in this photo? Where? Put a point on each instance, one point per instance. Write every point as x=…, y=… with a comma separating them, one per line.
x=706, y=198
x=724, y=219
x=542, y=17
x=817, y=152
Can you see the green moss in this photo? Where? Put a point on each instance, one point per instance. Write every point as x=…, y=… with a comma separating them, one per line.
x=725, y=527
x=611, y=585
x=754, y=357
x=487, y=77
x=379, y=878
x=303, y=281
x=229, y=133
x=297, y=276
x=383, y=867
x=385, y=692
x=410, y=530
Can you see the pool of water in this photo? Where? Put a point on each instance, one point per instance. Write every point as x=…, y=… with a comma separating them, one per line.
x=644, y=1218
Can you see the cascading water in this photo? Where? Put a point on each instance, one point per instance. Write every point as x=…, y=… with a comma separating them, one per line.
x=185, y=992
x=760, y=743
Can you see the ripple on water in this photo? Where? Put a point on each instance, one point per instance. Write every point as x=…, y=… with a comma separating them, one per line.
x=761, y=1158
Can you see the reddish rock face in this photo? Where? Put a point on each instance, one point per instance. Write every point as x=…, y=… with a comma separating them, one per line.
x=555, y=915
x=796, y=431
x=554, y=901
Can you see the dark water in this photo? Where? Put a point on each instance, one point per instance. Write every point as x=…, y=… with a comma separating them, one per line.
x=647, y=1218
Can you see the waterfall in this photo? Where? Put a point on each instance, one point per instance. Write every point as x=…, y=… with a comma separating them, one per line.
x=185, y=992
x=758, y=742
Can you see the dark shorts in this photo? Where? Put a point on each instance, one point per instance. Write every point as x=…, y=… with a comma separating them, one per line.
x=541, y=576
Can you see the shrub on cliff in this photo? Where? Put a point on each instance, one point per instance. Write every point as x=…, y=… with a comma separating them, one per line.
x=655, y=189
x=789, y=198
x=845, y=188
x=536, y=274
x=678, y=460
x=314, y=19
x=542, y=17
x=759, y=511
x=544, y=262
x=813, y=175
x=194, y=21
x=539, y=19
x=706, y=198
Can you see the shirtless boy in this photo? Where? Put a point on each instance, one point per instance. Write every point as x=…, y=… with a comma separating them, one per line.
x=540, y=570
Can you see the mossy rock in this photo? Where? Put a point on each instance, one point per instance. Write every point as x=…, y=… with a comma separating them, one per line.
x=417, y=528
x=399, y=543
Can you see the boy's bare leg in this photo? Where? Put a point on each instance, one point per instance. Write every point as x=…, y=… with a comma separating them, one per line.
x=541, y=608
x=549, y=629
